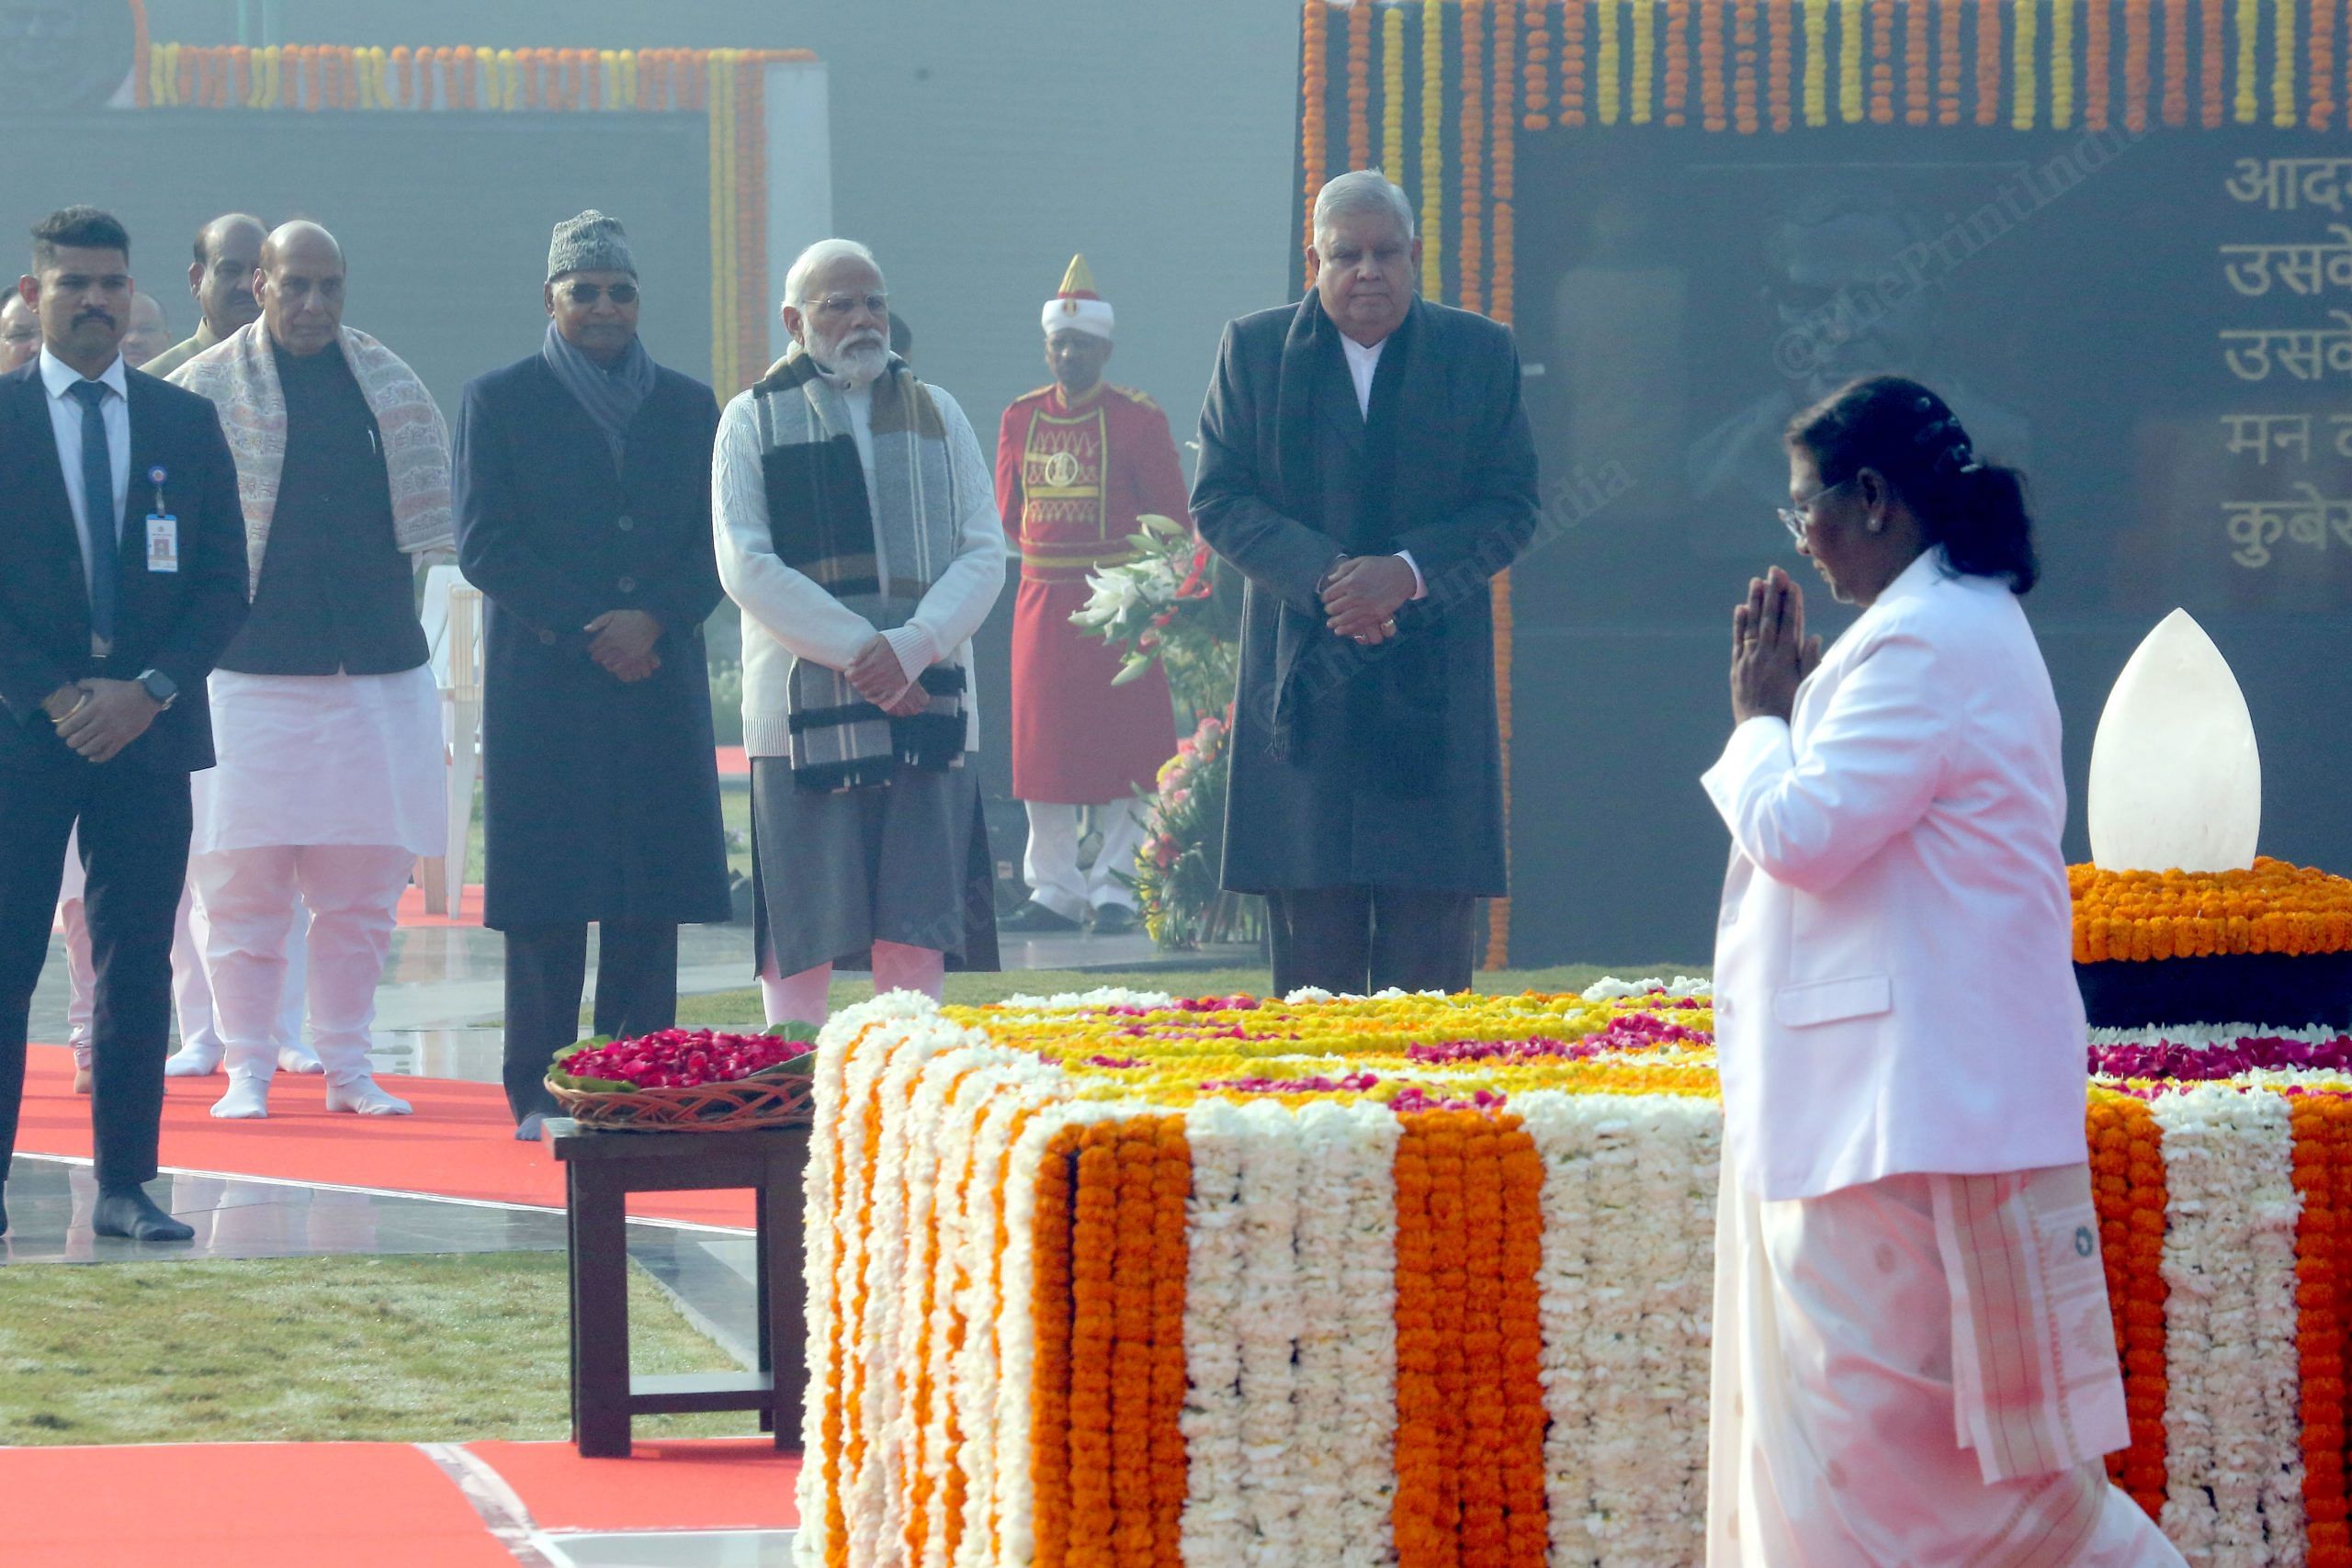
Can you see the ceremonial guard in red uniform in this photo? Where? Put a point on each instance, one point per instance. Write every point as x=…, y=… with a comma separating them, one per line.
x=1076, y=463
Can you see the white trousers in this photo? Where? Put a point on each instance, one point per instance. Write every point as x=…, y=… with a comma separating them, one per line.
x=1051, y=867
x=1836, y=1409
x=250, y=898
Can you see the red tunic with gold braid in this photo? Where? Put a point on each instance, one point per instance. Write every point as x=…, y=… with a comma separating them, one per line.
x=1071, y=481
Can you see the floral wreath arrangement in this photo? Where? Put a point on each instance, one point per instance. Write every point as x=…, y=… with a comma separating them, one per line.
x=2155, y=947
x=1178, y=865
x=1163, y=606
x=689, y=1080
x=1128, y=1278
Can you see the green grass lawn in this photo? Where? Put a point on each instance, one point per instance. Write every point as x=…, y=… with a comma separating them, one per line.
x=312, y=1349
x=740, y=1009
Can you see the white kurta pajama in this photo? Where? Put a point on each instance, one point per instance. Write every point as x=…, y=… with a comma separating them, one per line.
x=328, y=787
x=327, y=719
x=1914, y=1357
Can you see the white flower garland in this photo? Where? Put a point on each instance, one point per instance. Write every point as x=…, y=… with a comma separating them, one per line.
x=1213, y=1534
x=2233, y=1460
x=1610, y=989
x=1270, y=1322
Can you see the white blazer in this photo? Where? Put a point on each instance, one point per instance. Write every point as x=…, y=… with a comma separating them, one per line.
x=1895, y=987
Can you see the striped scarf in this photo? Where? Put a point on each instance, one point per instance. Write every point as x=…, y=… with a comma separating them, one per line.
x=877, y=551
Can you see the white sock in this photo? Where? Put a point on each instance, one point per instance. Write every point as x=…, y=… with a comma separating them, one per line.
x=248, y=1100
x=364, y=1097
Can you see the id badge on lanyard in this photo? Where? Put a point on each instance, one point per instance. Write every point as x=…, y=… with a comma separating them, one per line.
x=162, y=528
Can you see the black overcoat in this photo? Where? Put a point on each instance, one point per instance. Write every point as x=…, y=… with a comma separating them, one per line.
x=1351, y=766
x=600, y=798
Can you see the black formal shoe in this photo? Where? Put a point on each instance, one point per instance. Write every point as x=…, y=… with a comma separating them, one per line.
x=1034, y=917
x=129, y=1212
x=527, y=1129
x=1114, y=920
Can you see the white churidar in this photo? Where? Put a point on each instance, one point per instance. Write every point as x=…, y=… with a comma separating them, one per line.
x=1050, y=863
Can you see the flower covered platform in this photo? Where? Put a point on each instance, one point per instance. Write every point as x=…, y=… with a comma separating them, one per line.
x=1125, y=1278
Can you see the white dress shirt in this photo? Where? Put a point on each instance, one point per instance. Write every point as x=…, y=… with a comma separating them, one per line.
x=1895, y=980
x=1364, y=363
x=65, y=422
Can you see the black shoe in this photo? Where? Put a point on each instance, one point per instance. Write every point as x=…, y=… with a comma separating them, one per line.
x=1033, y=917
x=1114, y=920
x=127, y=1212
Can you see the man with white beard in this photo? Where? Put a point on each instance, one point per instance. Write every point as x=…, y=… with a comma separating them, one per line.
x=858, y=527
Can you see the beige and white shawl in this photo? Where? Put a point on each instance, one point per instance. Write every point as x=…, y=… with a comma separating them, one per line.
x=240, y=375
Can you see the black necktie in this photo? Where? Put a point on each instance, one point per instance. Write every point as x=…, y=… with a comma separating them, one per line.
x=99, y=520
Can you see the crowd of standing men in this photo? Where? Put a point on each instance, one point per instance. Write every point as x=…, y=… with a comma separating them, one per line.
x=222, y=700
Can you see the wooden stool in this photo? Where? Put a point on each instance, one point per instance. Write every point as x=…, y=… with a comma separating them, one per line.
x=601, y=1169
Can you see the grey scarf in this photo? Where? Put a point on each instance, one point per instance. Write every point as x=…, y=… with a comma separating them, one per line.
x=611, y=397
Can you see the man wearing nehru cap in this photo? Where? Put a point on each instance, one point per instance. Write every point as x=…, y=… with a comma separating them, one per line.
x=583, y=514
x=1077, y=463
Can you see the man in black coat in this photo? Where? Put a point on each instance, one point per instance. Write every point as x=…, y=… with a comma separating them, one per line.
x=1366, y=462
x=583, y=515
x=122, y=577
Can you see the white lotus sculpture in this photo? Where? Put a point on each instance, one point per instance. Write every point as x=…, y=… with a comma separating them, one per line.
x=2176, y=777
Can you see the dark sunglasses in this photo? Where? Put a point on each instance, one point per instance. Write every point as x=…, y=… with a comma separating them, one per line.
x=589, y=293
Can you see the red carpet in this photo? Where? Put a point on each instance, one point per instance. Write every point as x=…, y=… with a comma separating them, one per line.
x=469, y=910
x=259, y=1505
x=710, y=1484
x=459, y=1143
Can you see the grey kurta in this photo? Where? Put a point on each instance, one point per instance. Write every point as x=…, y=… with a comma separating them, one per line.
x=1356, y=767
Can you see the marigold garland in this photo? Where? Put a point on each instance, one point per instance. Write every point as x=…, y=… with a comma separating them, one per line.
x=1817, y=61
x=2210, y=59
x=1572, y=62
x=1988, y=62
x=2128, y=1181
x=1778, y=63
x=2026, y=14
x=1711, y=66
x=1915, y=63
x=2062, y=62
x=1172, y=1189
x=1851, y=22
x=1484, y=1424
x=2283, y=61
x=1535, y=22
x=1744, y=95
x=1469, y=248
x=1646, y=58
x=2319, y=1124
x=1520, y=1456
x=2247, y=104
x=1392, y=95
x=1883, y=62
x=2138, y=916
x=1606, y=96
x=2099, y=51
x=2320, y=96
x=1432, y=149
x=1054, y=1323
x=1313, y=151
x=1360, y=84
x=2176, y=99
x=1503, y=296
x=1424, y=1529
x=1677, y=58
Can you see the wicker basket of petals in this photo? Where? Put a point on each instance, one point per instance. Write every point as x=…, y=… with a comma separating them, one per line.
x=680, y=1080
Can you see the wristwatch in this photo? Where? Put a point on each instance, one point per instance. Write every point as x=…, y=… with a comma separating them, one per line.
x=160, y=686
